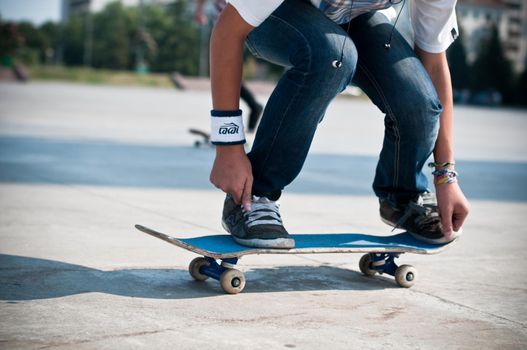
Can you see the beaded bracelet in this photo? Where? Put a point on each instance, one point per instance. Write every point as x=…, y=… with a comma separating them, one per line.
x=444, y=176
x=441, y=165
x=443, y=173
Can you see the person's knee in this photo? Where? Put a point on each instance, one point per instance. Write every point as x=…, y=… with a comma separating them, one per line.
x=417, y=116
x=344, y=62
x=421, y=103
x=324, y=58
x=427, y=109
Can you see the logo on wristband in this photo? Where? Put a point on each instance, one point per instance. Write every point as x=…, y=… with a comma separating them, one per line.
x=229, y=129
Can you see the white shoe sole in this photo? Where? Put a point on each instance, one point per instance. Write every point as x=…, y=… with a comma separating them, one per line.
x=276, y=243
x=441, y=240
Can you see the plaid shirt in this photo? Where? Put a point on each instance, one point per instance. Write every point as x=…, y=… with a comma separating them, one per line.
x=343, y=11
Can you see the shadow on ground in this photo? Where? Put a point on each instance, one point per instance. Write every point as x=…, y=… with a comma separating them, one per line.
x=26, y=278
x=36, y=160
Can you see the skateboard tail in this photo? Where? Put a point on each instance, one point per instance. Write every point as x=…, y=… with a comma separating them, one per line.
x=182, y=244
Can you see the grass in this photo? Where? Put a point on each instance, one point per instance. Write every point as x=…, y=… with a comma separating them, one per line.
x=98, y=76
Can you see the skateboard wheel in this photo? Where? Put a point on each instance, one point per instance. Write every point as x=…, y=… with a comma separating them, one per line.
x=365, y=265
x=194, y=267
x=232, y=281
x=406, y=275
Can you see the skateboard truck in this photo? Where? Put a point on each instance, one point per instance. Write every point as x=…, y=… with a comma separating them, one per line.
x=232, y=281
x=373, y=263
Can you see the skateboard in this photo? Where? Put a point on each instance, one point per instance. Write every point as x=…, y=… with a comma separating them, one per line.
x=219, y=254
x=204, y=137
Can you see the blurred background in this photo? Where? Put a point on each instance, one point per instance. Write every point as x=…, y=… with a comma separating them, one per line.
x=147, y=41
x=108, y=41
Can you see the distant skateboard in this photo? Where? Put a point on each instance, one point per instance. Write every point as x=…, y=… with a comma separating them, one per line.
x=380, y=258
x=203, y=137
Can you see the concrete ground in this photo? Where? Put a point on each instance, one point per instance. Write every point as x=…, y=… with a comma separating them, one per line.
x=80, y=165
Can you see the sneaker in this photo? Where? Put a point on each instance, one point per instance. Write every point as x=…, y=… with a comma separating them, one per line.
x=420, y=218
x=259, y=228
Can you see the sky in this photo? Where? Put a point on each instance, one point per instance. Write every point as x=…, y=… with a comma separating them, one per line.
x=36, y=11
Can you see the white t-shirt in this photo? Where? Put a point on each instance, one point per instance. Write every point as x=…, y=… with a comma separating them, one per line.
x=434, y=21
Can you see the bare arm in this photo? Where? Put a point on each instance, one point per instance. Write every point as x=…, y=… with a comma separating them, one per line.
x=226, y=58
x=437, y=67
x=453, y=206
x=232, y=170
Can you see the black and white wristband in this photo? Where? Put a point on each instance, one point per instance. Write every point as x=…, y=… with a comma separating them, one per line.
x=226, y=127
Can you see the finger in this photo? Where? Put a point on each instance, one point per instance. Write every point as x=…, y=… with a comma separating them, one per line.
x=446, y=222
x=214, y=183
x=458, y=220
x=247, y=194
x=236, y=196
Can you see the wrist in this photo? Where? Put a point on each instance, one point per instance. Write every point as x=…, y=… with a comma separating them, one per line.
x=444, y=172
x=227, y=128
x=226, y=150
x=451, y=164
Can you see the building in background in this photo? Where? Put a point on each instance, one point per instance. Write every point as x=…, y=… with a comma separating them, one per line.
x=515, y=39
x=73, y=7
x=477, y=18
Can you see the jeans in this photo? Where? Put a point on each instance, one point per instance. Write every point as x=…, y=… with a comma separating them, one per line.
x=298, y=36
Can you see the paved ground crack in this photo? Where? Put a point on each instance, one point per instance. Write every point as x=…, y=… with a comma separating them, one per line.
x=124, y=335
x=490, y=314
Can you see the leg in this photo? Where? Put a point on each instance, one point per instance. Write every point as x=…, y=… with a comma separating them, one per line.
x=247, y=96
x=256, y=108
x=298, y=36
x=398, y=84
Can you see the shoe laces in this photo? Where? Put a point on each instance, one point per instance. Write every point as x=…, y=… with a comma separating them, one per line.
x=264, y=212
x=423, y=210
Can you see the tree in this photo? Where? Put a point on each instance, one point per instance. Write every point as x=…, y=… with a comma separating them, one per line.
x=521, y=88
x=167, y=38
x=457, y=61
x=111, y=38
x=73, y=41
x=178, y=41
x=491, y=70
x=11, y=40
x=50, y=31
x=147, y=28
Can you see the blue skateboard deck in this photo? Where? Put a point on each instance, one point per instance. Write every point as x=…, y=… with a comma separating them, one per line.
x=381, y=252
x=223, y=246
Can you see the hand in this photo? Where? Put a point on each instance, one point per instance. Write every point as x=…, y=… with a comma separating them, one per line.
x=453, y=207
x=232, y=173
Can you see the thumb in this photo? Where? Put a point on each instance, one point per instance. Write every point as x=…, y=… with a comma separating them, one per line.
x=457, y=221
x=247, y=195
